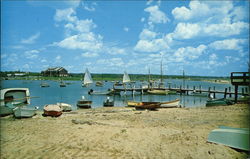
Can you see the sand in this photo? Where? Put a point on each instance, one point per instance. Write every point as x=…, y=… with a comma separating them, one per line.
x=119, y=132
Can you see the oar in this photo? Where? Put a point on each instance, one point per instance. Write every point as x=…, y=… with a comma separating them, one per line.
x=18, y=98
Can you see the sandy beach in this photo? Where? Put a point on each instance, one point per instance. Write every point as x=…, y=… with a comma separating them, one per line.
x=121, y=132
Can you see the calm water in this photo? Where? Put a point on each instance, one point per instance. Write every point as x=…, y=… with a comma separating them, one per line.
x=73, y=92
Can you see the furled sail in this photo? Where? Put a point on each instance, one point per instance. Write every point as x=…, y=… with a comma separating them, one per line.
x=126, y=78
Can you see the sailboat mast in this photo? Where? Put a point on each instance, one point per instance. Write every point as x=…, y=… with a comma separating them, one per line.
x=148, y=75
x=161, y=72
x=183, y=74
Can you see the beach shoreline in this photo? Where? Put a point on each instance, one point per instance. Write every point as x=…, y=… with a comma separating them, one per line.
x=122, y=132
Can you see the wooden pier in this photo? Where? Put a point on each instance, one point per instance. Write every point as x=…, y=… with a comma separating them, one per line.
x=237, y=79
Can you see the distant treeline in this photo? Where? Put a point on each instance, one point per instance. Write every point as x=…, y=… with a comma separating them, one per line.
x=108, y=77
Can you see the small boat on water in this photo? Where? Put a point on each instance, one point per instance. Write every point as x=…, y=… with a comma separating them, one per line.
x=62, y=84
x=65, y=107
x=108, y=103
x=12, y=97
x=170, y=104
x=108, y=92
x=83, y=103
x=218, y=102
x=99, y=84
x=44, y=84
x=233, y=137
x=53, y=110
x=161, y=92
x=24, y=112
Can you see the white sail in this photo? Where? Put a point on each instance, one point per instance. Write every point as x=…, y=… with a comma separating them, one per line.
x=87, y=78
x=125, y=77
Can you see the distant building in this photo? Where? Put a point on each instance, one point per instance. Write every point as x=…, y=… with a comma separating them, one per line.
x=55, y=72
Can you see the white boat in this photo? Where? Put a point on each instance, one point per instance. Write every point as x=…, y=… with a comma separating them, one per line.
x=126, y=78
x=24, y=112
x=87, y=79
x=65, y=107
x=170, y=104
x=10, y=97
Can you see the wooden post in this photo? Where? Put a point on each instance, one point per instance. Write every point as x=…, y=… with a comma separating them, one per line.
x=209, y=91
x=187, y=90
x=242, y=91
x=174, y=85
x=193, y=88
x=214, y=92
x=180, y=90
x=225, y=93
x=200, y=88
x=229, y=90
x=246, y=90
x=236, y=94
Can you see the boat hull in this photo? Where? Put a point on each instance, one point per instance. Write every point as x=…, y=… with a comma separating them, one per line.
x=218, y=102
x=4, y=111
x=23, y=112
x=233, y=137
x=84, y=104
x=52, y=110
x=171, y=104
x=148, y=105
x=108, y=104
x=65, y=107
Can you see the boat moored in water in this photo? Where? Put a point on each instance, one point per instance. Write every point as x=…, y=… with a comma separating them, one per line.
x=108, y=103
x=83, y=103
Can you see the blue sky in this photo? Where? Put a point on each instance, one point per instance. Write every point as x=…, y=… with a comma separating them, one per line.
x=209, y=38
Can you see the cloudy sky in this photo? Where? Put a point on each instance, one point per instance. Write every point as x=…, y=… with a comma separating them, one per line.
x=200, y=37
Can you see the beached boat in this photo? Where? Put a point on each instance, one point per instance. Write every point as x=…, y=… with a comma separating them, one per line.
x=53, y=110
x=218, y=102
x=108, y=103
x=134, y=103
x=24, y=112
x=83, y=103
x=87, y=79
x=65, y=107
x=12, y=97
x=161, y=92
x=148, y=105
x=233, y=137
x=170, y=104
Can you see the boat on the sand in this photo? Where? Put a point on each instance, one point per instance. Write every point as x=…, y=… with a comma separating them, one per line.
x=218, y=102
x=24, y=112
x=53, y=110
x=237, y=138
x=171, y=104
x=65, y=107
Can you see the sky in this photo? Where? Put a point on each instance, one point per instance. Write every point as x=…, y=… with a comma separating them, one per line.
x=205, y=38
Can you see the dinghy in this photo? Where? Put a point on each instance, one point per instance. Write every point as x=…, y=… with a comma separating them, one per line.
x=53, y=110
x=24, y=112
x=65, y=107
x=171, y=104
x=233, y=137
x=83, y=103
x=108, y=103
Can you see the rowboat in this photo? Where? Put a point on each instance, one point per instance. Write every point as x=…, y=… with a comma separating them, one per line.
x=161, y=92
x=65, y=107
x=83, y=103
x=233, y=137
x=24, y=112
x=148, y=105
x=171, y=104
x=218, y=102
x=62, y=84
x=12, y=97
x=108, y=92
x=53, y=110
x=108, y=103
x=99, y=83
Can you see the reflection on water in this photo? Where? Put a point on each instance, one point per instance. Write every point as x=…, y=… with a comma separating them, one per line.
x=74, y=91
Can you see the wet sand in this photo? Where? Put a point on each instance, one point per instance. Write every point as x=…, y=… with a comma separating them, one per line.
x=176, y=133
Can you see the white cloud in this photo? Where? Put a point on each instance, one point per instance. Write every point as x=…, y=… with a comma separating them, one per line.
x=190, y=53
x=85, y=41
x=113, y=62
x=89, y=7
x=142, y=19
x=58, y=59
x=156, y=16
x=31, y=39
x=65, y=15
x=126, y=29
x=228, y=44
x=116, y=51
x=32, y=54
x=186, y=31
x=85, y=25
x=89, y=54
x=154, y=45
x=147, y=34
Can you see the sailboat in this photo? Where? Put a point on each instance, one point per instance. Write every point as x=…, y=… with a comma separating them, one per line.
x=126, y=78
x=87, y=79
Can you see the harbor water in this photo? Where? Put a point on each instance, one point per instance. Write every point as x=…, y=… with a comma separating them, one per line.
x=74, y=92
